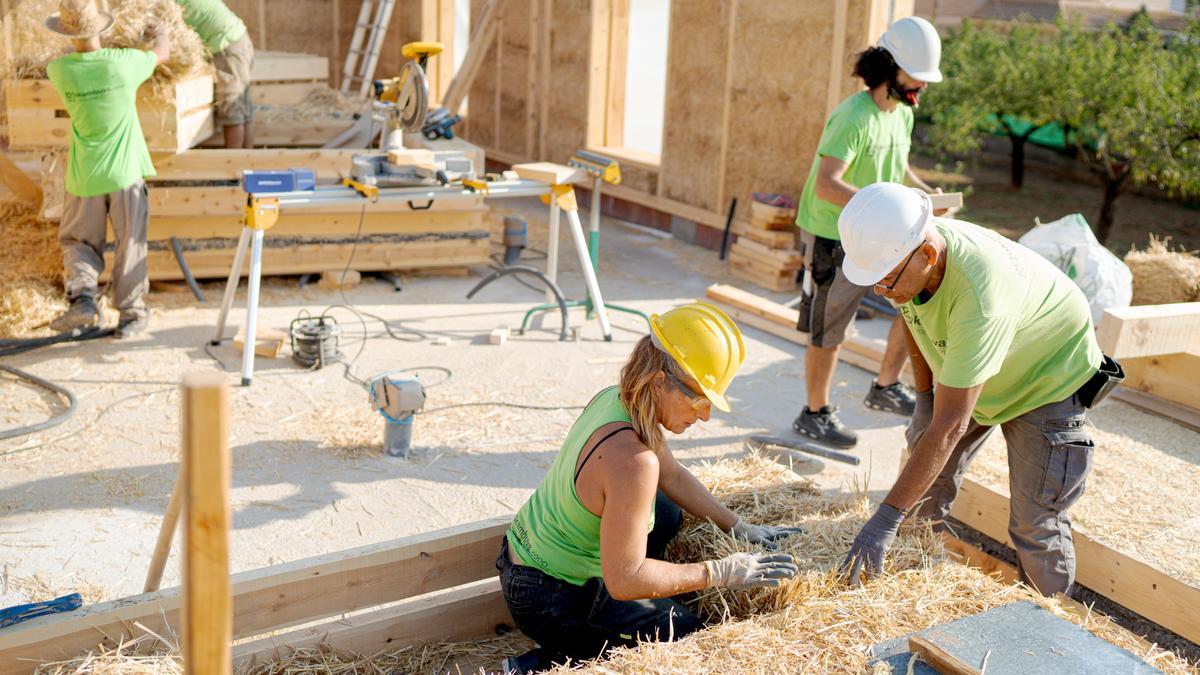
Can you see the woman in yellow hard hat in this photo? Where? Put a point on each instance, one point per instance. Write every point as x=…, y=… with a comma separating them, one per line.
x=582, y=565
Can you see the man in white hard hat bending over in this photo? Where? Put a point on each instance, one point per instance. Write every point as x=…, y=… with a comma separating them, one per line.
x=1007, y=339
x=866, y=140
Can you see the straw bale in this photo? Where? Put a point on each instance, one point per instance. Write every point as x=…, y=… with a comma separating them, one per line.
x=815, y=622
x=319, y=104
x=1162, y=276
x=1164, y=461
x=30, y=271
x=34, y=46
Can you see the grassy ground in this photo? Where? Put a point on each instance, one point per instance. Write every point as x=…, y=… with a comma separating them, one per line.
x=991, y=202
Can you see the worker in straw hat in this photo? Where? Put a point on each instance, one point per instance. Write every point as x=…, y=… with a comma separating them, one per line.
x=999, y=337
x=865, y=140
x=106, y=163
x=582, y=565
x=227, y=41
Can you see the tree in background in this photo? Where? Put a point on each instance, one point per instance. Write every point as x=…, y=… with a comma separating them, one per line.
x=994, y=76
x=1131, y=103
x=1126, y=100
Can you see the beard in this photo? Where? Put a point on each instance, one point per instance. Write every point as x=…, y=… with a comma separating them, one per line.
x=907, y=96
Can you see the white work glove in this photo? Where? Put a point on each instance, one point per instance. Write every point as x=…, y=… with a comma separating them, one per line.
x=763, y=535
x=749, y=570
x=921, y=417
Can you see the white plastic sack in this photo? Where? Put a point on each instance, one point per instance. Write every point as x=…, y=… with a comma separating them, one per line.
x=1069, y=243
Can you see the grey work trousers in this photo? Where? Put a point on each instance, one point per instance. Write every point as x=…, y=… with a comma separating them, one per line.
x=81, y=233
x=1049, y=458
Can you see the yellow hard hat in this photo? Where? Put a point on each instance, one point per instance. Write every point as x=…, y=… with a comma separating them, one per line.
x=705, y=343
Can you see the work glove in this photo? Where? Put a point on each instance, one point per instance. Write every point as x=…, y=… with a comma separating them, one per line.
x=871, y=545
x=921, y=417
x=763, y=535
x=749, y=570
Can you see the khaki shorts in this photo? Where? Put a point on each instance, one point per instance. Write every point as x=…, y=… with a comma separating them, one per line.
x=233, y=82
x=827, y=309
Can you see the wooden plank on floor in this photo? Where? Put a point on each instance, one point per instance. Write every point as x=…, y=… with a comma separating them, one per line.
x=1121, y=578
x=275, y=597
x=462, y=613
x=1150, y=330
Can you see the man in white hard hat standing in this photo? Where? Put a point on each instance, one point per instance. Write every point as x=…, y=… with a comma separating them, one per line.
x=866, y=140
x=1007, y=339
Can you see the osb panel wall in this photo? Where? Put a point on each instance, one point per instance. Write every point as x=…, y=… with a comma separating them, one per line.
x=736, y=120
x=696, y=93
x=781, y=73
x=567, y=95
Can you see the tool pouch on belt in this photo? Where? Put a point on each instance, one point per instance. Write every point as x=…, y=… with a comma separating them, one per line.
x=1102, y=383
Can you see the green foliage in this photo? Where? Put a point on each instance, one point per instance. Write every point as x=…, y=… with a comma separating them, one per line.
x=1129, y=100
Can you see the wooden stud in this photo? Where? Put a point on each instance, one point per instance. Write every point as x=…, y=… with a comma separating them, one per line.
x=261, y=6
x=726, y=103
x=837, y=69
x=543, y=150
x=166, y=534
x=207, y=622
x=618, y=56
x=277, y=597
x=1150, y=330
x=336, y=22
x=598, y=65
x=486, y=28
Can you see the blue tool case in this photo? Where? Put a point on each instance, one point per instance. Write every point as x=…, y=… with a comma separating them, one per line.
x=287, y=180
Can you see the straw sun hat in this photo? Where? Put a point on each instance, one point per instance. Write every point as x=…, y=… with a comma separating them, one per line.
x=79, y=19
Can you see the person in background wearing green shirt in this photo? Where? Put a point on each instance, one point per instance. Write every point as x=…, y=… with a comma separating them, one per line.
x=1008, y=340
x=582, y=567
x=107, y=161
x=865, y=140
x=225, y=37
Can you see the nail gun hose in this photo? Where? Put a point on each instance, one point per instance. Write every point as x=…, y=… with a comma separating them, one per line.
x=53, y=421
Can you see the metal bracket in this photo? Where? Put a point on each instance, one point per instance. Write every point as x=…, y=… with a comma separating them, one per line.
x=370, y=192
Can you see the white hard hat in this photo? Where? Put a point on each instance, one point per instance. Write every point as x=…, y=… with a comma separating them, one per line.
x=879, y=227
x=914, y=43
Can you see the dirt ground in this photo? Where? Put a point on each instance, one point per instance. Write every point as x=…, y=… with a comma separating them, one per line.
x=989, y=201
x=81, y=504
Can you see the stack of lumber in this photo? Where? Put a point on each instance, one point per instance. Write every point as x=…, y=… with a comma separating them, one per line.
x=765, y=252
x=196, y=198
x=286, y=78
x=175, y=116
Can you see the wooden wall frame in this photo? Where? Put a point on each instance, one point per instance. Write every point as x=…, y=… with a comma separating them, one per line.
x=608, y=53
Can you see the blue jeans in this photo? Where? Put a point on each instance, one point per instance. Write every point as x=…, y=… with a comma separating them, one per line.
x=577, y=623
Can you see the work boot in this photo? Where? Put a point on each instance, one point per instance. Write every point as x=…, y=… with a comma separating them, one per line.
x=81, y=314
x=897, y=398
x=824, y=426
x=134, y=325
x=529, y=662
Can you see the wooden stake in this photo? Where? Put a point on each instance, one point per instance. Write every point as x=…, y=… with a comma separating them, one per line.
x=942, y=661
x=207, y=604
x=166, y=533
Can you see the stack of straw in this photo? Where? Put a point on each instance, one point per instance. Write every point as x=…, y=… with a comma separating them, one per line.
x=31, y=271
x=33, y=46
x=1162, y=276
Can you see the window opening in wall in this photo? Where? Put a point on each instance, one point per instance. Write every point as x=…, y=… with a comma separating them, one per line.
x=645, y=76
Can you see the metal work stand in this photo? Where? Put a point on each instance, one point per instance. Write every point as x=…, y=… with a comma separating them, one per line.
x=592, y=303
x=262, y=211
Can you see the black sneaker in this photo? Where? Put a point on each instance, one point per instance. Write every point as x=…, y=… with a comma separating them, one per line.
x=81, y=314
x=127, y=328
x=897, y=398
x=824, y=426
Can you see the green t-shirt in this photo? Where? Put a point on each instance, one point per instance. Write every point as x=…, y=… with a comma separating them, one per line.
x=1007, y=318
x=872, y=142
x=215, y=23
x=554, y=531
x=107, y=151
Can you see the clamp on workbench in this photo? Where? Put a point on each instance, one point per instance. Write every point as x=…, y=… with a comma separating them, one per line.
x=365, y=191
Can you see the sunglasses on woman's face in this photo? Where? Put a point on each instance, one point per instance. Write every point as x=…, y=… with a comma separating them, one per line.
x=698, y=401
